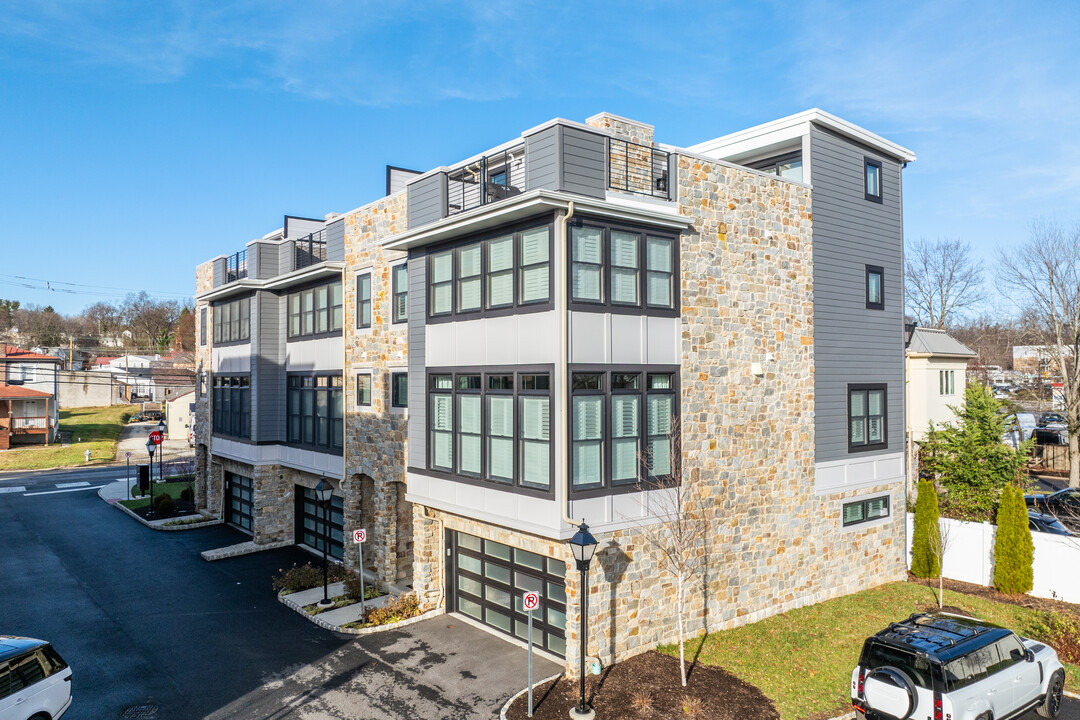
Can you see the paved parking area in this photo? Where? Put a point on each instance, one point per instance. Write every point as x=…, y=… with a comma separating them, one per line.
x=142, y=618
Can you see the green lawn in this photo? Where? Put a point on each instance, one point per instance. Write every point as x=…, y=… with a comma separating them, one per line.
x=98, y=427
x=803, y=659
x=173, y=488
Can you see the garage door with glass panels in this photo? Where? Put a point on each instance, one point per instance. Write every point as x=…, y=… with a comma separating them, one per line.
x=310, y=527
x=488, y=579
x=238, y=500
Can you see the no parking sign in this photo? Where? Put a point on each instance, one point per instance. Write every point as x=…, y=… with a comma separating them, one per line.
x=531, y=601
x=359, y=536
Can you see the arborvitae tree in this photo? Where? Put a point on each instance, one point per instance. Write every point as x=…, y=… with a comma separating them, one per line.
x=1024, y=548
x=925, y=561
x=1013, y=549
x=1004, y=560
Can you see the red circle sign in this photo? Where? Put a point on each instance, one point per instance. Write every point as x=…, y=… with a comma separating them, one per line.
x=359, y=536
x=531, y=600
x=157, y=437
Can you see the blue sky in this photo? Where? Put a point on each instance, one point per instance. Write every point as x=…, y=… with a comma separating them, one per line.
x=138, y=139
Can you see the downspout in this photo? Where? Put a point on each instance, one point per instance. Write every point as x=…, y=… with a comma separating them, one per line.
x=564, y=352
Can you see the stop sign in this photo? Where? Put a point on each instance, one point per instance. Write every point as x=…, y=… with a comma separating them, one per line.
x=157, y=437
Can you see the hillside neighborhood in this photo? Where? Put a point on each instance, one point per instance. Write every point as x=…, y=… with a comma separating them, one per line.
x=667, y=415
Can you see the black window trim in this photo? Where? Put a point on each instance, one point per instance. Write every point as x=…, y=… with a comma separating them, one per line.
x=327, y=449
x=370, y=375
x=216, y=429
x=772, y=164
x=607, y=487
x=867, y=447
x=484, y=372
x=865, y=503
x=371, y=298
x=870, y=270
x=286, y=294
x=517, y=307
x=606, y=305
x=203, y=330
x=218, y=330
x=395, y=291
x=869, y=162
x=395, y=373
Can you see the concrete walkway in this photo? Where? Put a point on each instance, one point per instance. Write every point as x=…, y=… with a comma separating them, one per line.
x=133, y=439
x=339, y=616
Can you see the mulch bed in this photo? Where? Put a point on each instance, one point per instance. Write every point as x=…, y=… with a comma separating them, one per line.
x=183, y=507
x=1027, y=601
x=713, y=692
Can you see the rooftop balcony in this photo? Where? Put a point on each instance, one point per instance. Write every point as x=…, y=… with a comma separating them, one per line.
x=271, y=257
x=560, y=156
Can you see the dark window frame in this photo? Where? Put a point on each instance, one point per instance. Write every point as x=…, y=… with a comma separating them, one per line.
x=336, y=549
x=245, y=521
x=202, y=326
x=225, y=420
x=483, y=240
x=397, y=271
x=880, y=272
x=314, y=388
x=606, y=304
x=518, y=484
x=304, y=333
x=370, y=389
x=393, y=390
x=607, y=487
x=865, y=504
x=868, y=163
x=771, y=165
x=360, y=323
x=866, y=446
x=237, y=329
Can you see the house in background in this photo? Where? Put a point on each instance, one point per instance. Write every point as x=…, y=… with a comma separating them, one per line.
x=29, y=386
x=179, y=414
x=936, y=378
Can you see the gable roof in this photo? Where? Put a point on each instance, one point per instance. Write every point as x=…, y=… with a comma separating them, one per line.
x=932, y=341
x=8, y=392
x=14, y=353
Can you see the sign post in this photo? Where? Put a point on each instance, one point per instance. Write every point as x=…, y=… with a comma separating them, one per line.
x=127, y=456
x=531, y=601
x=359, y=536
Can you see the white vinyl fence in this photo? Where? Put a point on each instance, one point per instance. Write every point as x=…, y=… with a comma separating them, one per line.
x=969, y=557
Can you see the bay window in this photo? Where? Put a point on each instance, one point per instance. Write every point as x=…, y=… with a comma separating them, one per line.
x=314, y=411
x=619, y=267
x=315, y=311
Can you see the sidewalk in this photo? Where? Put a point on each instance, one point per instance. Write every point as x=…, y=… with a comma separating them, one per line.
x=133, y=439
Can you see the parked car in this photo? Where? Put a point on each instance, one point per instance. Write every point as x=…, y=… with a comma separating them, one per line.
x=147, y=416
x=940, y=665
x=35, y=682
x=1038, y=522
x=1063, y=505
x=1052, y=419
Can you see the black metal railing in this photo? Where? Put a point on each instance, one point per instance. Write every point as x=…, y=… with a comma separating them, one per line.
x=489, y=179
x=236, y=266
x=638, y=169
x=309, y=250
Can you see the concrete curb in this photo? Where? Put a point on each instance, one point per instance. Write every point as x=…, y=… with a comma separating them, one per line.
x=241, y=549
x=506, y=706
x=159, y=527
x=284, y=600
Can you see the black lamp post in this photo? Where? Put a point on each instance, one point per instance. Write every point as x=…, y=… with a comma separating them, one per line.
x=161, y=457
x=583, y=545
x=151, y=446
x=323, y=492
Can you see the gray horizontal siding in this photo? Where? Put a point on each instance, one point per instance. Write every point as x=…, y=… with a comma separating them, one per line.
x=268, y=368
x=301, y=227
x=426, y=200
x=853, y=345
x=417, y=359
x=219, y=272
x=263, y=260
x=286, y=258
x=542, y=159
x=335, y=240
x=583, y=162
x=397, y=179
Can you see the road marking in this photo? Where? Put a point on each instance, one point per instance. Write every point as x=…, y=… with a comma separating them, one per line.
x=55, y=492
x=72, y=484
x=16, y=489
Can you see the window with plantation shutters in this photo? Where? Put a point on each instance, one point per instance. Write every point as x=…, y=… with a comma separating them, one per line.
x=313, y=311
x=468, y=282
x=500, y=438
x=442, y=422
x=588, y=441
x=624, y=268
x=400, y=291
x=363, y=390
x=535, y=441
x=469, y=433
x=363, y=300
x=659, y=266
x=534, y=265
x=442, y=283
x=500, y=272
x=866, y=417
x=587, y=264
x=625, y=436
x=658, y=430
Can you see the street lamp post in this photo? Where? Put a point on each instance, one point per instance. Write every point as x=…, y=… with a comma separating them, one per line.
x=583, y=545
x=323, y=492
x=161, y=457
x=151, y=446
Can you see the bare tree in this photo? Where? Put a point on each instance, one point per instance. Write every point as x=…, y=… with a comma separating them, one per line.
x=942, y=281
x=150, y=319
x=676, y=538
x=939, y=545
x=1044, y=272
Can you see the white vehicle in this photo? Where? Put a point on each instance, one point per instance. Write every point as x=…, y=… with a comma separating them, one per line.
x=35, y=682
x=948, y=667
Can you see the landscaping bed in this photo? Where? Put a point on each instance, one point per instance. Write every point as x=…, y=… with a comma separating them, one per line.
x=340, y=601
x=178, y=491
x=803, y=659
x=647, y=686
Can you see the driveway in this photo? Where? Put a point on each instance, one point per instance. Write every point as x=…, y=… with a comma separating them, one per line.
x=133, y=438
x=142, y=619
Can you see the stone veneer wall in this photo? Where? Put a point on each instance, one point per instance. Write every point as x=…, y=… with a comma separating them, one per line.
x=748, y=441
x=632, y=130
x=204, y=282
x=375, y=438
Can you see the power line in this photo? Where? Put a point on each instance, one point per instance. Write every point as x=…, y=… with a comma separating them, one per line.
x=65, y=287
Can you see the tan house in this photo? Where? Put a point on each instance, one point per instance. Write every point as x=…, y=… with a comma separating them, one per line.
x=936, y=379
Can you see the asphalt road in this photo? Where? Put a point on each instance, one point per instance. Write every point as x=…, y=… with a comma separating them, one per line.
x=141, y=618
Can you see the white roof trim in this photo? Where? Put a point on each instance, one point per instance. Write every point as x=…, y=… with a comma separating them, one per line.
x=793, y=123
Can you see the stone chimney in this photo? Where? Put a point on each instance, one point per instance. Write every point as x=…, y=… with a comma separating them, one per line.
x=624, y=128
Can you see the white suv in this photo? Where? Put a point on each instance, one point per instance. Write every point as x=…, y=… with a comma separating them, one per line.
x=35, y=682
x=948, y=667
